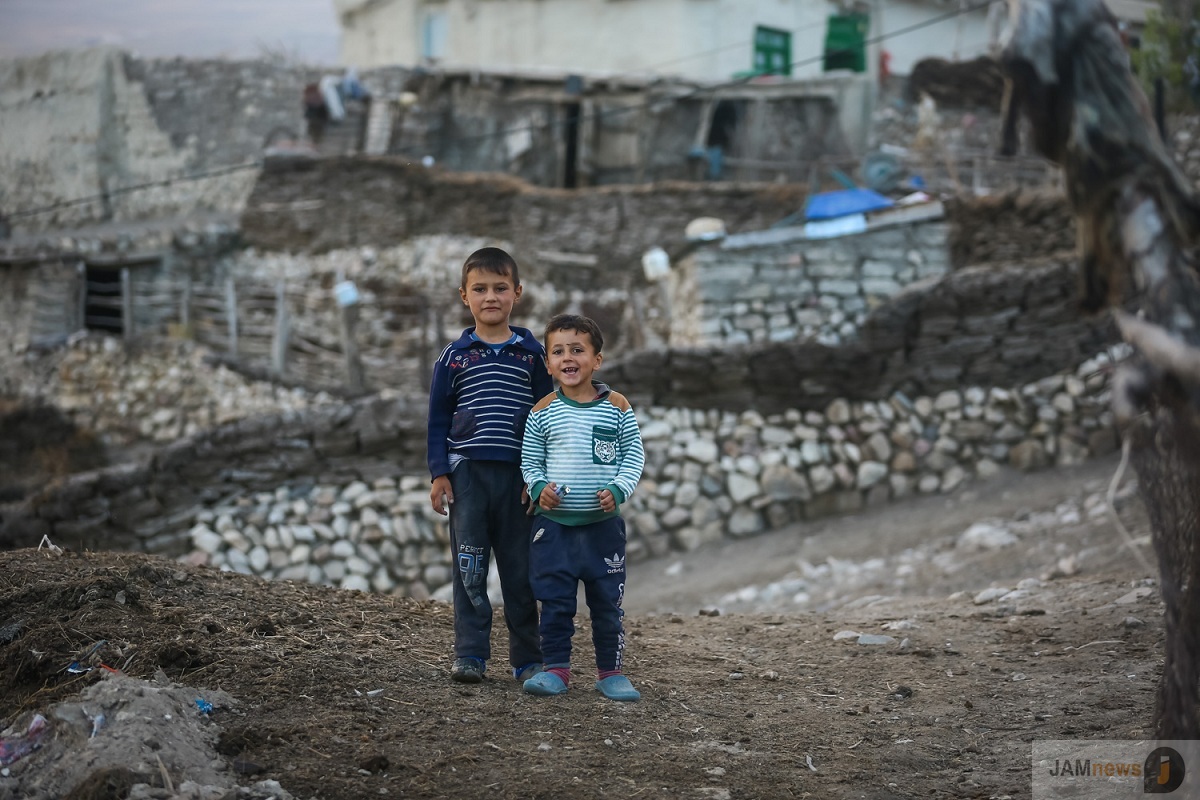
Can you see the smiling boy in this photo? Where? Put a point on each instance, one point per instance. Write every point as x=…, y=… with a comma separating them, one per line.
x=583, y=438
x=484, y=385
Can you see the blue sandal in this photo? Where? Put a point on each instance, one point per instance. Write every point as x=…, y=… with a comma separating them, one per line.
x=618, y=687
x=545, y=684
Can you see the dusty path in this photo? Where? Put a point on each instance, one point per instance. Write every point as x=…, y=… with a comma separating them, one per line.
x=685, y=583
x=895, y=678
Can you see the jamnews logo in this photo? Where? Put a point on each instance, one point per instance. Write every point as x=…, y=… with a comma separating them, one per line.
x=1106, y=768
x=1086, y=768
x=1164, y=771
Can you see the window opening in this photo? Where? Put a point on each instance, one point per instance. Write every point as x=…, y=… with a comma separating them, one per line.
x=102, y=302
x=434, y=30
x=846, y=42
x=772, y=51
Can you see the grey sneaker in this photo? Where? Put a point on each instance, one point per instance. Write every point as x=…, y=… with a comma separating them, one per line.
x=467, y=670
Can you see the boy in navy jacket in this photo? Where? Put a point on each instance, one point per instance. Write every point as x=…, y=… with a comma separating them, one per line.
x=484, y=385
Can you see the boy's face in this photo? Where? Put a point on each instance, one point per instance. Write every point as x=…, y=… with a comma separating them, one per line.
x=571, y=358
x=489, y=296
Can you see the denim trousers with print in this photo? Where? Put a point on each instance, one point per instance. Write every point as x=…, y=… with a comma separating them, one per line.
x=487, y=519
x=560, y=557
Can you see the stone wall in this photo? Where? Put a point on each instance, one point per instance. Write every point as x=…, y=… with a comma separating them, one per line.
x=142, y=138
x=627, y=130
x=1009, y=228
x=996, y=325
x=780, y=285
x=17, y=283
x=337, y=493
x=1000, y=324
x=78, y=125
x=305, y=206
x=149, y=504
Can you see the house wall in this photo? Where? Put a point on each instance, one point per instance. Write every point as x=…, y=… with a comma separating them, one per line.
x=16, y=309
x=136, y=139
x=708, y=40
x=80, y=124
x=961, y=37
x=628, y=133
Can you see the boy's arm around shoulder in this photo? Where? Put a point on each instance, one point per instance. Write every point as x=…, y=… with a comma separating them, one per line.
x=442, y=404
x=540, y=380
x=533, y=452
x=629, y=446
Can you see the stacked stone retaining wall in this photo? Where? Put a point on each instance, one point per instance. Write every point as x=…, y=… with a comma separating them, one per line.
x=338, y=494
x=782, y=285
x=998, y=325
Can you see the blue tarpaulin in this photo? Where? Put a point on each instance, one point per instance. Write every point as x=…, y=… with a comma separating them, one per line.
x=829, y=205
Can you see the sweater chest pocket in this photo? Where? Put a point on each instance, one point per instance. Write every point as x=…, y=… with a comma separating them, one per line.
x=604, y=444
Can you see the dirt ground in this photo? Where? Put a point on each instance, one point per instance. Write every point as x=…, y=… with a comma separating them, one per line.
x=755, y=681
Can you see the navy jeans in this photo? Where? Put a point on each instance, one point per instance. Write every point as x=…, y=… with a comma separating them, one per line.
x=486, y=519
x=559, y=558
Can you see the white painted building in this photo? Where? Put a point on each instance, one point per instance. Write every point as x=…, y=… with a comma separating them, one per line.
x=704, y=40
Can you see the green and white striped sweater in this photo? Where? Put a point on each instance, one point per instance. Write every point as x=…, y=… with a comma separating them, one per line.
x=587, y=447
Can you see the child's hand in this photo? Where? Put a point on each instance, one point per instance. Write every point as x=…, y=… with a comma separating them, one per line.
x=607, y=501
x=549, y=498
x=440, y=494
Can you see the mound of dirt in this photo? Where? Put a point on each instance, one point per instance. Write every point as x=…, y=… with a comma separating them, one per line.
x=39, y=444
x=337, y=694
x=978, y=83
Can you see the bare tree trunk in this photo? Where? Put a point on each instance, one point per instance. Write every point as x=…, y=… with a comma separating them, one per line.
x=1138, y=221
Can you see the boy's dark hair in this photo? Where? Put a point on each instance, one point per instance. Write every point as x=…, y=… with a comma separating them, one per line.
x=575, y=322
x=493, y=260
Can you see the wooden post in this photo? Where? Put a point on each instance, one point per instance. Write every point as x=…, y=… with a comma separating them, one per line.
x=231, y=316
x=348, y=317
x=81, y=301
x=279, y=343
x=185, y=306
x=429, y=340
x=126, y=304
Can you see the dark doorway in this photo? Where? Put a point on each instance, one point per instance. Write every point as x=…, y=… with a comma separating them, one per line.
x=571, y=147
x=725, y=118
x=102, y=305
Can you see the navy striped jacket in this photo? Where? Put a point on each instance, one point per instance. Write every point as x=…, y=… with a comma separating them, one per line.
x=479, y=399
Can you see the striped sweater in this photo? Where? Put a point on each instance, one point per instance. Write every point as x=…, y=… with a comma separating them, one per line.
x=480, y=398
x=586, y=447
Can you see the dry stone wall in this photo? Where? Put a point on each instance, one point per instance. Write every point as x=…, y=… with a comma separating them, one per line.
x=337, y=493
x=996, y=325
x=778, y=285
x=307, y=206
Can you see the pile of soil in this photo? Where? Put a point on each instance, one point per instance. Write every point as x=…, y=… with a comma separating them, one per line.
x=978, y=83
x=39, y=444
x=338, y=694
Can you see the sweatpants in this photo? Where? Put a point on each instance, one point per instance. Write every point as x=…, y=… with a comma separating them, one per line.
x=560, y=556
x=487, y=519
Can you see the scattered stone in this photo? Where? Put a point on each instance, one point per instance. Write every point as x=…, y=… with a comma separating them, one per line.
x=875, y=639
x=988, y=595
x=985, y=536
